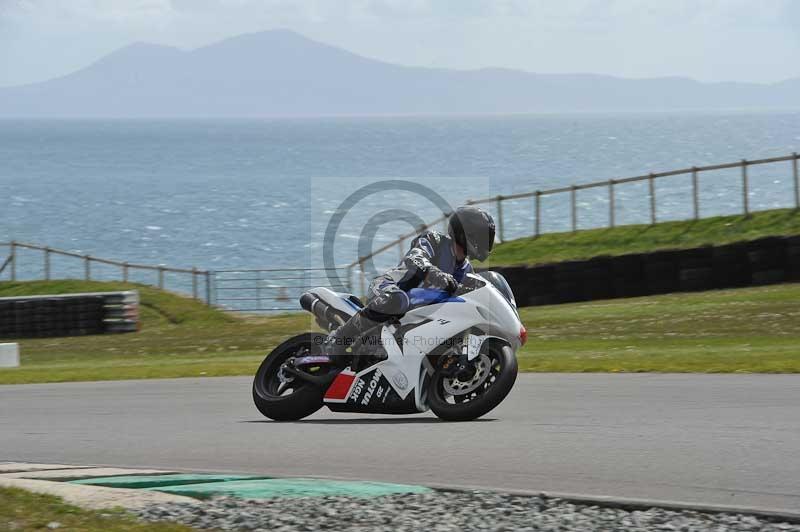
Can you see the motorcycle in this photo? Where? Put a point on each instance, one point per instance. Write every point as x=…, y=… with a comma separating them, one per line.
x=454, y=354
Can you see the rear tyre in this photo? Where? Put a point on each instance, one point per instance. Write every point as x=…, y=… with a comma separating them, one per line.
x=490, y=380
x=281, y=397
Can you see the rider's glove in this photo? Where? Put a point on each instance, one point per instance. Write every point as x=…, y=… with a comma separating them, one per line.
x=440, y=280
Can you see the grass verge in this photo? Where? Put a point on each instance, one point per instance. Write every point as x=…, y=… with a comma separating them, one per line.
x=748, y=330
x=555, y=247
x=22, y=510
x=741, y=330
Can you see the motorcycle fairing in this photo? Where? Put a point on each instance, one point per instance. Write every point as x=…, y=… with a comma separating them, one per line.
x=423, y=330
x=339, y=390
x=371, y=392
x=480, y=310
x=339, y=300
x=385, y=387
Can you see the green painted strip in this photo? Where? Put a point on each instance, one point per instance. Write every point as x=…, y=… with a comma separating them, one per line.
x=299, y=487
x=156, y=481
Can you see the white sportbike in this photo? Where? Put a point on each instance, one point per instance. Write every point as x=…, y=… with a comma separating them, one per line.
x=452, y=353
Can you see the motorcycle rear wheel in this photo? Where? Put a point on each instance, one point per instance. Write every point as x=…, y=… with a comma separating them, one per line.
x=495, y=372
x=282, y=401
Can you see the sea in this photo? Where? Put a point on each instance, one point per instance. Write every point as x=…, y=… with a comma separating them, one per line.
x=269, y=193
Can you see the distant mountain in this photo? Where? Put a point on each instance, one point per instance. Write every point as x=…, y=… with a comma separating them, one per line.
x=281, y=73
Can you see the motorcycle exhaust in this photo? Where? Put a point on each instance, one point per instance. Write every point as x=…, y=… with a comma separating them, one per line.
x=327, y=316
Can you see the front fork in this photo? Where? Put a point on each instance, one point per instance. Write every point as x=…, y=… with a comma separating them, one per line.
x=455, y=364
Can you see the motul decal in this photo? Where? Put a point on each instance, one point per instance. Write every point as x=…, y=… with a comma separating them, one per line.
x=340, y=387
x=373, y=384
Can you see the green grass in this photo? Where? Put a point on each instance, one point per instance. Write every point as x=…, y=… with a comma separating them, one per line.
x=742, y=330
x=555, y=247
x=22, y=510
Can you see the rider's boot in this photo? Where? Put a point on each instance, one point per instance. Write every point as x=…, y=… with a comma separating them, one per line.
x=342, y=342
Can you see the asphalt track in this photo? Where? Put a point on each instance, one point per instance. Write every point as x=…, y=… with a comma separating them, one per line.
x=708, y=439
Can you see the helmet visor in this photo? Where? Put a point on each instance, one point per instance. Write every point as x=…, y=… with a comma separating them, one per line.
x=480, y=246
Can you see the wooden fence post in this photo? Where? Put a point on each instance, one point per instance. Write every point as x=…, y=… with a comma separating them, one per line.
x=745, y=189
x=349, y=282
x=13, y=260
x=258, y=289
x=124, y=272
x=161, y=276
x=652, y=184
x=611, y=206
x=500, y=232
x=46, y=264
x=574, y=201
x=194, y=282
x=695, y=194
x=87, y=267
x=796, y=181
x=538, y=222
x=362, y=277
x=208, y=288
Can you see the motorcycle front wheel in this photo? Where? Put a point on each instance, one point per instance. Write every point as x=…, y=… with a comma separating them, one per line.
x=477, y=390
x=279, y=396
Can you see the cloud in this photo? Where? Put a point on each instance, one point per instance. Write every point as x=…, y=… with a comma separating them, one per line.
x=100, y=10
x=533, y=13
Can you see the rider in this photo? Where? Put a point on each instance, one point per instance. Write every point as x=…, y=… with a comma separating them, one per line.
x=435, y=260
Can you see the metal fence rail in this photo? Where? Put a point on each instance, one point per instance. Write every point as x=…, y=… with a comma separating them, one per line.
x=254, y=290
x=611, y=184
x=266, y=290
x=10, y=264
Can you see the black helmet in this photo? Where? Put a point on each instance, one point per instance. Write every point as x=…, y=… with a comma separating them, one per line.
x=472, y=229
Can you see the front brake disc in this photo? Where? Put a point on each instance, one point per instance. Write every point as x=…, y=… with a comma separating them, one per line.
x=454, y=386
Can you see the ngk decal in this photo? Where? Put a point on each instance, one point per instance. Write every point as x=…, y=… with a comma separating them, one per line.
x=357, y=388
x=376, y=377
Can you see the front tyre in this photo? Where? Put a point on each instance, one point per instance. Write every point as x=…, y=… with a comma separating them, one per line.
x=279, y=396
x=471, y=394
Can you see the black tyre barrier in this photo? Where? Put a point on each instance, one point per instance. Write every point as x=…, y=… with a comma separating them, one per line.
x=661, y=277
x=696, y=279
x=751, y=263
x=69, y=314
x=544, y=274
x=769, y=277
x=767, y=253
x=626, y=288
x=731, y=266
x=568, y=293
x=698, y=258
x=599, y=290
x=538, y=300
x=793, y=265
x=566, y=272
x=793, y=258
x=519, y=276
x=627, y=268
x=661, y=256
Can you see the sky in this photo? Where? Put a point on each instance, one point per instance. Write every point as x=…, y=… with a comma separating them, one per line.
x=708, y=40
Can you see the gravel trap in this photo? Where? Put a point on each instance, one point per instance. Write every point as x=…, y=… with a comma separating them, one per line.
x=444, y=511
